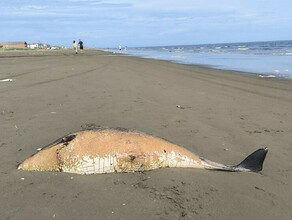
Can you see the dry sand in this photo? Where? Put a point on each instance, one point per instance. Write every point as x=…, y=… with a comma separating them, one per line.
x=225, y=116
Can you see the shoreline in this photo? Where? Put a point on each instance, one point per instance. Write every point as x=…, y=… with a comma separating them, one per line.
x=224, y=117
x=210, y=68
x=260, y=72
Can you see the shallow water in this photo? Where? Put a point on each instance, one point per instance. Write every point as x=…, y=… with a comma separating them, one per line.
x=266, y=59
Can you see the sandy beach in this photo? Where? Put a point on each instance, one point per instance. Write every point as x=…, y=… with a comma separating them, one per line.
x=222, y=116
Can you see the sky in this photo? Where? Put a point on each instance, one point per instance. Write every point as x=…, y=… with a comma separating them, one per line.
x=109, y=23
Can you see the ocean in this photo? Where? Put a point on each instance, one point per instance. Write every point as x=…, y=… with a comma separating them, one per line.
x=271, y=59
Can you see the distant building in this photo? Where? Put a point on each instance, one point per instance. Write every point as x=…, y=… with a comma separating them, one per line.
x=13, y=45
x=38, y=46
x=34, y=45
x=17, y=45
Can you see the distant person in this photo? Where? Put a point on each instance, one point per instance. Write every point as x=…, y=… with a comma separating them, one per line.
x=81, y=46
x=120, y=47
x=75, y=46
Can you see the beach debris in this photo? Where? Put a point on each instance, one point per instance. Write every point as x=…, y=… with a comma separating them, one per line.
x=39, y=149
x=267, y=76
x=22, y=178
x=120, y=150
x=179, y=106
x=7, y=80
x=53, y=112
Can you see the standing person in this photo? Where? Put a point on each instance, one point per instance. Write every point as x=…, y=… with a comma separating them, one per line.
x=81, y=46
x=75, y=46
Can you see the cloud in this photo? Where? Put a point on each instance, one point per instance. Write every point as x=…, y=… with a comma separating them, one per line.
x=34, y=7
x=111, y=4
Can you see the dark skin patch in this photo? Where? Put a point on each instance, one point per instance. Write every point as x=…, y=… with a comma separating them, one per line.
x=132, y=158
x=68, y=138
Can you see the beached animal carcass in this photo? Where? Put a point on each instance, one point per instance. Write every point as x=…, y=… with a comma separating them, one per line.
x=120, y=150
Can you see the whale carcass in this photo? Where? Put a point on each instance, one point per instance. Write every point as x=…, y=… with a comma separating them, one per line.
x=117, y=150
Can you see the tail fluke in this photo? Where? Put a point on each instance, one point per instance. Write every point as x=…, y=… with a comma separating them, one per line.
x=252, y=163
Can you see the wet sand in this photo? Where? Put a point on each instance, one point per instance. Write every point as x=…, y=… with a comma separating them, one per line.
x=223, y=116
